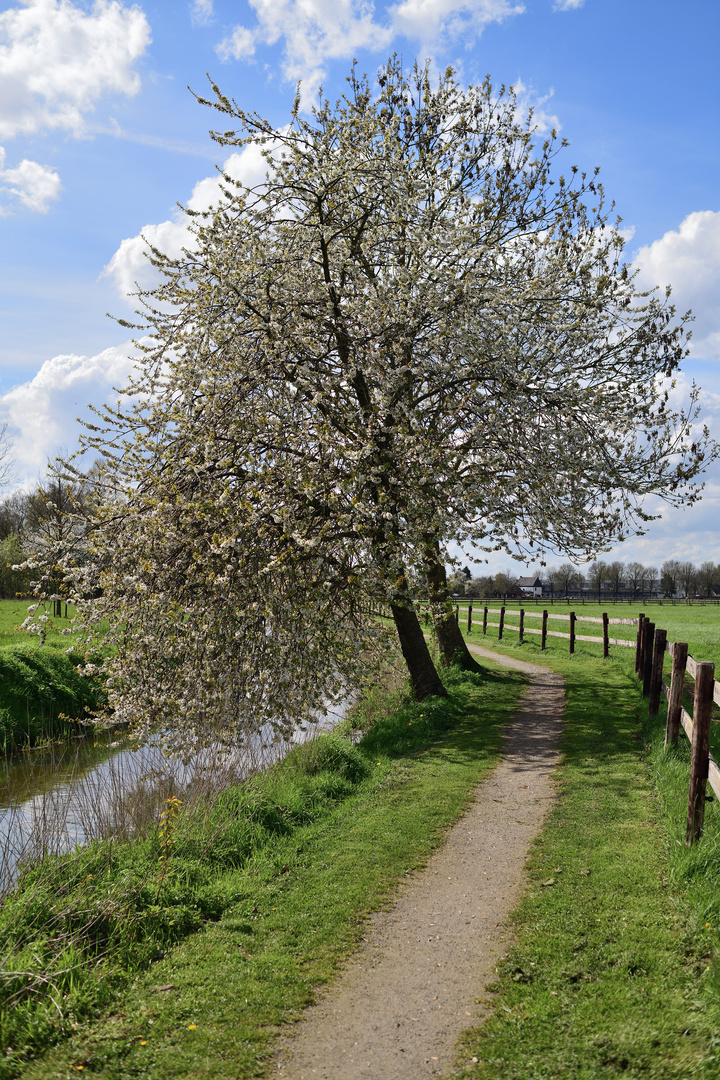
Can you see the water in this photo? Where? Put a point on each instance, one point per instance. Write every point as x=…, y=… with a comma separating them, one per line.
x=55, y=798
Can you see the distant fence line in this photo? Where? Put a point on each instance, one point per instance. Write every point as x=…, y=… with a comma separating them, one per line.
x=544, y=633
x=589, y=598
x=651, y=646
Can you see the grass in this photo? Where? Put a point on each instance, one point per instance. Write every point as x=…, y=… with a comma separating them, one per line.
x=196, y=971
x=614, y=970
x=14, y=612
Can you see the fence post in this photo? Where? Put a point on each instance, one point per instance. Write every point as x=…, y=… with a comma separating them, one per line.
x=543, y=633
x=502, y=623
x=572, y=631
x=469, y=617
x=457, y=614
x=702, y=711
x=657, y=672
x=522, y=624
x=485, y=619
x=638, y=643
x=672, y=728
x=641, y=656
x=606, y=636
x=646, y=672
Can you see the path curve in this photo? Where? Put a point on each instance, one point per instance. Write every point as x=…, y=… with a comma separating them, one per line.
x=417, y=980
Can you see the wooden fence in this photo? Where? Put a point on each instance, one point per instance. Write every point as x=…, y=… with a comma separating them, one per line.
x=652, y=647
x=544, y=633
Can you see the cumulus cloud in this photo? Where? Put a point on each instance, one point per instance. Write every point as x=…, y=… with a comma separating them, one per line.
x=129, y=263
x=42, y=413
x=238, y=45
x=33, y=185
x=567, y=5
x=688, y=259
x=428, y=21
x=201, y=12
x=315, y=31
x=57, y=59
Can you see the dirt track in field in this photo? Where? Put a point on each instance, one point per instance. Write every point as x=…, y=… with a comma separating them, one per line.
x=417, y=980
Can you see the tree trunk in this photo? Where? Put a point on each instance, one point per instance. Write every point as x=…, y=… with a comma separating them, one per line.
x=423, y=676
x=452, y=644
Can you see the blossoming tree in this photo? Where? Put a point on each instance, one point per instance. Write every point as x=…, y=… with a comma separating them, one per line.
x=414, y=334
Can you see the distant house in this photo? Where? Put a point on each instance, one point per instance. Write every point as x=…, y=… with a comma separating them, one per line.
x=530, y=586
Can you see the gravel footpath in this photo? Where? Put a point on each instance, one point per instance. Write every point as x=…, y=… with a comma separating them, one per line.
x=417, y=980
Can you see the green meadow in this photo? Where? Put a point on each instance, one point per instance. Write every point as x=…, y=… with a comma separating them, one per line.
x=615, y=965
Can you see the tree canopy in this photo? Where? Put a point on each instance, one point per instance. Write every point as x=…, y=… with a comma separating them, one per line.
x=414, y=333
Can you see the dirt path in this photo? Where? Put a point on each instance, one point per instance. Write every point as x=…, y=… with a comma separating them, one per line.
x=399, y=1006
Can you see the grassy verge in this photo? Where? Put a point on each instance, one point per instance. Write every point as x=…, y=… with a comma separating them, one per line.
x=42, y=696
x=614, y=969
x=258, y=903
x=39, y=685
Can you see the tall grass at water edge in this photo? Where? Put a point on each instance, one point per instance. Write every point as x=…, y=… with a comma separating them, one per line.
x=80, y=921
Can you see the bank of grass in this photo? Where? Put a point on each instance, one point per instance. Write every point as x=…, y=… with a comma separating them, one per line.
x=197, y=960
x=42, y=696
x=614, y=970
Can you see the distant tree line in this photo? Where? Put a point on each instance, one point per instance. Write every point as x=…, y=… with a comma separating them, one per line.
x=615, y=579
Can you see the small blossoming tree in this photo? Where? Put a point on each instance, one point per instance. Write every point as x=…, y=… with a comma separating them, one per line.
x=414, y=333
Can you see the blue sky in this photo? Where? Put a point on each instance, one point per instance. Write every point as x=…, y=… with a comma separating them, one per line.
x=101, y=138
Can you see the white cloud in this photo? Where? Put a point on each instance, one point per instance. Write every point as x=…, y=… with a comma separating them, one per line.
x=34, y=185
x=567, y=5
x=315, y=31
x=689, y=260
x=429, y=20
x=526, y=100
x=237, y=46
x=201, y=12
x=129, y=264
x=42, y=413
x=57, y=59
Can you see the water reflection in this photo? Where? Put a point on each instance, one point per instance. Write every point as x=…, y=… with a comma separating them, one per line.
x=55, y=798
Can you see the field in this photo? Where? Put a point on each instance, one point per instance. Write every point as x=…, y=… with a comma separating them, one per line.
x=261, y=897
x=615, y=966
